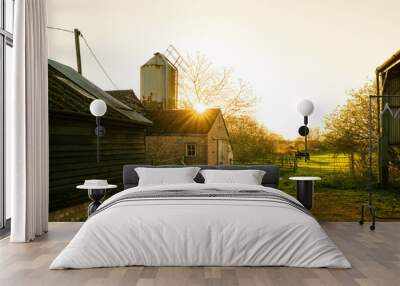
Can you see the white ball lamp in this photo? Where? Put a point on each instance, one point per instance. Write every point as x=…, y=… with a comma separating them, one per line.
x=305, y=108
x=98, y=108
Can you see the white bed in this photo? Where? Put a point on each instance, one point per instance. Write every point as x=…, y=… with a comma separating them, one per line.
x=200, y=231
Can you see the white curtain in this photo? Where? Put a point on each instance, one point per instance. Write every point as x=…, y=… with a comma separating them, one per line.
x=27, y=124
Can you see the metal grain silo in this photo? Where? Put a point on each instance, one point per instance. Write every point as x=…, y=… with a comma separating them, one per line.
x=159, y=83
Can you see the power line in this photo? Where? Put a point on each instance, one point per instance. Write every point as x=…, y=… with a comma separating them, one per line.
x=91, y=51
x=98, y=62
x=60, y=29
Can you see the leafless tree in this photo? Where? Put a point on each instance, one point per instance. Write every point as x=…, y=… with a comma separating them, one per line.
x=202, y=83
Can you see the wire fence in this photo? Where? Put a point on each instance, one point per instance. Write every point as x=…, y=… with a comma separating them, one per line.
x=321, y=163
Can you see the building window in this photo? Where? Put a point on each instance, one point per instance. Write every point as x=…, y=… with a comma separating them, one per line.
x=191, y=150
x=6, y=43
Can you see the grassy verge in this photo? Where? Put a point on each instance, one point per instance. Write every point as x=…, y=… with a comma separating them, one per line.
x=74, y=213
x=339, y=197
x=331, y=203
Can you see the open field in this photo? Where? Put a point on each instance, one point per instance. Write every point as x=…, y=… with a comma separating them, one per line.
x=331, y=204
x=322, y=162
x=325, y=163
x=337, y=204
x=338, y=196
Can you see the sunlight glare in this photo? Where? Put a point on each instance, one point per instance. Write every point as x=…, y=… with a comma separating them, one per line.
x=200, y=107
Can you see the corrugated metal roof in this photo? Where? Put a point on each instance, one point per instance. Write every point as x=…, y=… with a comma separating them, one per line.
x=182, y=121
x=158, y=59
x=389, y=62
x=82, y=85
x=128, y=97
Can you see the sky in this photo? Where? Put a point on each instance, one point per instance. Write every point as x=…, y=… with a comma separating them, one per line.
x=287, y=50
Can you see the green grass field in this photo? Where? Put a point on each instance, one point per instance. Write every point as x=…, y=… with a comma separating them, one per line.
x=325, y=163
x=331, y=204
x=338, y=196
x=343, y=204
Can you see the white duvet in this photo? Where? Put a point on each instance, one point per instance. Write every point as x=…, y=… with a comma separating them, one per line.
x=203, y=232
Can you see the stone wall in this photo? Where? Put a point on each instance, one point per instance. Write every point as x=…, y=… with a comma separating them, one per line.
x=171, y=149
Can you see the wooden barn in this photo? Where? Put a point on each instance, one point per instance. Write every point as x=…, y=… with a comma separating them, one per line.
x=128, y=97
x=188, y=137
x=73, y=141
x=388, y=85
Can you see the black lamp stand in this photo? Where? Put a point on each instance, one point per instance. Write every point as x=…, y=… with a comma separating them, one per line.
x=303, y=131
x=100, y=131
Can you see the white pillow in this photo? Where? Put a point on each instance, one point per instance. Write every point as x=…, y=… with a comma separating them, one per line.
x=248, y=177
x=166, y=176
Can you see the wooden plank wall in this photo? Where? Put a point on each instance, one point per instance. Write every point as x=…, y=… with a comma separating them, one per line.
x=390, y=125
x=72, y=155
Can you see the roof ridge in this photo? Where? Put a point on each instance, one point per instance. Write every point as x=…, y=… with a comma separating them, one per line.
x=79, y=80
x=182, y=121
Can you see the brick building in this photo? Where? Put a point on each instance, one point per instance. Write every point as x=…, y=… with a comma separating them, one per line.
x=188, y=137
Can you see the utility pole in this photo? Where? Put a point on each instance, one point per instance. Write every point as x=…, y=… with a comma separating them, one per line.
x=77, y=34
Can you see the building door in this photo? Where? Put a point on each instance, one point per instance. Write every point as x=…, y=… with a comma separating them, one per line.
x=221, y=152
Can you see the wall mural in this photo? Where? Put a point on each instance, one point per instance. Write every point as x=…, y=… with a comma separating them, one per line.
x=213, y=86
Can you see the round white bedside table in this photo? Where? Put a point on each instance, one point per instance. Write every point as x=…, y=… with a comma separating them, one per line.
x=305, y=190
x=96, y=191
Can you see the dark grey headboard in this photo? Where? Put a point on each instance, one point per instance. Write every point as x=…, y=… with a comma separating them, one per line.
x=271, y=177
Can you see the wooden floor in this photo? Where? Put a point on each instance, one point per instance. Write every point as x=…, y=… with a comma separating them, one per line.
x=375, y=257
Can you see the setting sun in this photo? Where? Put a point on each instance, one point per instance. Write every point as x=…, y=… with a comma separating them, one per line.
x=200, y=107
